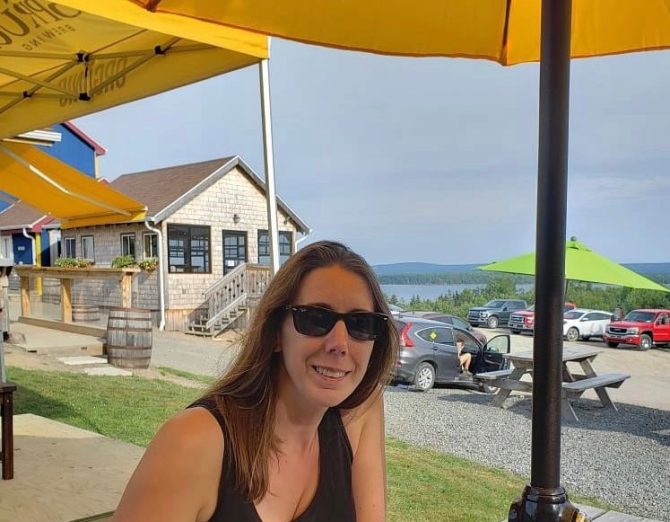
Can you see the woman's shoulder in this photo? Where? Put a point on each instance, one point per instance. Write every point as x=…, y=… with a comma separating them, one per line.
x=194, y=429
x=179, y=474
x=365, y=416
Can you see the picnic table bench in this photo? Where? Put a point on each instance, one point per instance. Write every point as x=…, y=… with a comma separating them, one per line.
x=573, y=386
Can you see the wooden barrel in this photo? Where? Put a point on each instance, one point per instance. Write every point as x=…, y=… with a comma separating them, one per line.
x=129, y=337
x=85, y=312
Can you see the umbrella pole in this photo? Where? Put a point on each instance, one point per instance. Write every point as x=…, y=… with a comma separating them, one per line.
x=544, y=500
x=268, y=155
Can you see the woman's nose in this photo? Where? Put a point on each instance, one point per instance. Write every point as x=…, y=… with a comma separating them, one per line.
x=337, y=340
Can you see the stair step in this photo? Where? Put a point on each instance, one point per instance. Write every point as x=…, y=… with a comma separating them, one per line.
x=200, y=333
x=197, y=327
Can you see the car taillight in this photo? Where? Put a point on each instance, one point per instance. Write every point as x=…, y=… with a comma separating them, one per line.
x=405, y=340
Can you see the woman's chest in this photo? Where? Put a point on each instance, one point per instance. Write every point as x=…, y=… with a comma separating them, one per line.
x=293, y=485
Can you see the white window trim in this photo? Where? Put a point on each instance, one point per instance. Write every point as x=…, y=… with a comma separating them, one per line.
x=91, y=257
x=144, y=244
x=131, y=235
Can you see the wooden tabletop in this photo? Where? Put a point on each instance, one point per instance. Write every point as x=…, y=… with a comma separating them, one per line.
x=7, y=387
x=569, y=354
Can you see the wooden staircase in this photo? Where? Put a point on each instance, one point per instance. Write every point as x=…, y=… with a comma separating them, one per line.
x=230, y=298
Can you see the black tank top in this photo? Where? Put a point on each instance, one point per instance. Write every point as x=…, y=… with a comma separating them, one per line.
x=333, y=500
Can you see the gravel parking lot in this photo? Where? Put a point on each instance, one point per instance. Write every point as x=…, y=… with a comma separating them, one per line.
x=622, y=457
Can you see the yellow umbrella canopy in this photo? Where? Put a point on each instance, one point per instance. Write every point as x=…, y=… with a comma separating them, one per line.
x=506, y=31
x=59, y=190
x=59, y=62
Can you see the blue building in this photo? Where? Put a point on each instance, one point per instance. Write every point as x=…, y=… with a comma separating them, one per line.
x=22, y=227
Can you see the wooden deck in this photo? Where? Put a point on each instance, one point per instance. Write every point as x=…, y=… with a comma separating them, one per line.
x=63, y=473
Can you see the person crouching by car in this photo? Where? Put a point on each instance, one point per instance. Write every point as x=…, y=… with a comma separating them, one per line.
x=464, y=358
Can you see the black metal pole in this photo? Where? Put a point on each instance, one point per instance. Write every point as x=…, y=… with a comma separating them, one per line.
x=544, y=500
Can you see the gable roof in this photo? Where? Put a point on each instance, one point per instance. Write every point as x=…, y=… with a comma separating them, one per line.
x=166, y=190
x=99, y=149
x=19, y=215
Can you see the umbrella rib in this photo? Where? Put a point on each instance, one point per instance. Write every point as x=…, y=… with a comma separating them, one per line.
x=10, y=94
x=30, y=92
x=58, y=186
x=156, y=52
x=36, y=81
x=152, y=52
x=41, y=56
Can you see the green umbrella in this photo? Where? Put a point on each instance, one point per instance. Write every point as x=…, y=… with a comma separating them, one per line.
x=581, y=264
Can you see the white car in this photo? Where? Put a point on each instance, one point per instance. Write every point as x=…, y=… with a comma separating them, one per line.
x=582, y=323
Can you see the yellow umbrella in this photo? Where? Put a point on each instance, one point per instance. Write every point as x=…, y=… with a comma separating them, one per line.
x=59, y=62
x=506, y=31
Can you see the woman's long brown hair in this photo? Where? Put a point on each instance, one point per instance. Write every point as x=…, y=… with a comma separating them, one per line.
x=246, y=395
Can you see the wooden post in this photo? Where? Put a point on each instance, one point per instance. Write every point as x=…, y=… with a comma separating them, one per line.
x=25, y=296
x=66, y=300
x=127, y=290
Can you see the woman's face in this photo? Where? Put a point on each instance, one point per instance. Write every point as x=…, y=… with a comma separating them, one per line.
x=324, y=371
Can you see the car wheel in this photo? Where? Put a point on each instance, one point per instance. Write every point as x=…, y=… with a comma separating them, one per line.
x=572, y=335
x=516, y=331
x=612, y=345
x=645, y=342
x=492, y=322
x=425, y=377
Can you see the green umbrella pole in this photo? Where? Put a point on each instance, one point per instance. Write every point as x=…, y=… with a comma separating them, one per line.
x=544, y=500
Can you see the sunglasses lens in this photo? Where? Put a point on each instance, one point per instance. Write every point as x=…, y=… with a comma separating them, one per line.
x=313, y=321
x=364, y=326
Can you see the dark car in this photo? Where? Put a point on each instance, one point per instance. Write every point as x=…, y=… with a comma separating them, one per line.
x=428, y=354
x=495, y=313
x=453, y=320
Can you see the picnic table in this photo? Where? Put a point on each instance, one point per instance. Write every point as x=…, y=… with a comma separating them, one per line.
x=573, y=386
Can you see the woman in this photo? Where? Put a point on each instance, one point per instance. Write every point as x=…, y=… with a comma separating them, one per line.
x=294, y=430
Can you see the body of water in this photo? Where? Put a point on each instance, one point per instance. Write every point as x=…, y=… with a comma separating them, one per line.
x=406, y=292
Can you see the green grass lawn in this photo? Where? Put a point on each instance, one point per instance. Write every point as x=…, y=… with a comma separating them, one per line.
x=422, y=484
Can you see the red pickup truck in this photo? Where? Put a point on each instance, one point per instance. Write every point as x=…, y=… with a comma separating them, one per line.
x=524, y=320
x=643, y=328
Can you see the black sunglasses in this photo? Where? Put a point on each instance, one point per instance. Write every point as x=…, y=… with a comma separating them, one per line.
x=316, y=321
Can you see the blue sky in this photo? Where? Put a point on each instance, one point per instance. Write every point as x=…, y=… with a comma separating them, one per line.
x=430, y=160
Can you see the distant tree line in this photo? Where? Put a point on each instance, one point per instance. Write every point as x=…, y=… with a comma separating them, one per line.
x=449, y=278
x=479, y=277
x=584, y=295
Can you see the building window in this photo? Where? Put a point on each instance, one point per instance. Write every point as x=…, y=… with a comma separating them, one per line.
x=150, y=245
x=87, y=250
x=128, y=245
x=285, y=246
x=70, y=246
x=6, y=247
x=188, y=249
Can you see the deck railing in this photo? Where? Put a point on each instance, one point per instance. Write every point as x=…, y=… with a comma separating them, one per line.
x=246, y=281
